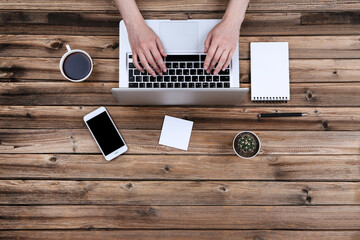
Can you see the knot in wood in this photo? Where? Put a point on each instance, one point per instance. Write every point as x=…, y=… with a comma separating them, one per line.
x=309, y=95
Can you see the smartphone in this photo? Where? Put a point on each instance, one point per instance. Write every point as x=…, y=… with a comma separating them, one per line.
x=105, y=133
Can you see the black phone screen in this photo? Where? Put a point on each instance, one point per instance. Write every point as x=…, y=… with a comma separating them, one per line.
x=105, y=133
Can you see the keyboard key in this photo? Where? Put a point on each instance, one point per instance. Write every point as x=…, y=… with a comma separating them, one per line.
x=202, y=57
x=196, y=65
x=163, y=85
x=201, y=78
x=182, y=58
x=186, y=72
x=142, y=85
x=175, y=65
x=136, y=72
x=209, y=78
x=171, y=72
x=170, y=85
x=168, y=65
x=131, y=73
x=166, y=79
x=145, y=78
x=198, y=85
x=226, y=85
x=182, y=65
x=193, y=72
x=195, y=78
x=184, y=85
x=149, y=85
x=206, y=85
x=200, y=72
x=130, y=56
x=178, y=72
x=180, y=78
x=215, y=78
x=191, y=85
x=212, y=85
x=224, y=78
x=138, y=79
x=159, y=78
x=219, y=85
x=177, y=85
x=173, y=79
x=226, y=72
x=133, y=85
x=189, y=65
x=131, y=79
x=187, y=79
x=131, y=65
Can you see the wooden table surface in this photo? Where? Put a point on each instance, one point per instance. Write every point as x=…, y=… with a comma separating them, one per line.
x=55, y=184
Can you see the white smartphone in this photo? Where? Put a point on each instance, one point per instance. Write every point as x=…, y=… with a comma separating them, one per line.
x=105, y=133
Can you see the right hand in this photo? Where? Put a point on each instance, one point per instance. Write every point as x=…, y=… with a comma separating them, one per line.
x=146, y=47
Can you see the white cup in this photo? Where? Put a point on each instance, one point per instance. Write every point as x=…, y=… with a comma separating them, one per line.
x=71, y=52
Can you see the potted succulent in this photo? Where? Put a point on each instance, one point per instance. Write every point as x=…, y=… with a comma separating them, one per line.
x=246, y=144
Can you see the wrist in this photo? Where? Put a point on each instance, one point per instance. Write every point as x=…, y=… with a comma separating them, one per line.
x=231, y=22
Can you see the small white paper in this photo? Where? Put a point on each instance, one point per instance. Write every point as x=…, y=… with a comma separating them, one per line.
x=176, y=132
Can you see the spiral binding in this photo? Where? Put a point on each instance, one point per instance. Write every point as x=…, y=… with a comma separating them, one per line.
x=270, y=99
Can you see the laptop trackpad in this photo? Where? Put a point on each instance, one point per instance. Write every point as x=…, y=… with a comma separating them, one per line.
x=179, y=36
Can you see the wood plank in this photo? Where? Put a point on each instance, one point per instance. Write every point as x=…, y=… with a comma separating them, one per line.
x=301, y=70
x=180, y=217
x=311, y=47
x=205, y=118
x=183, y=5
x=174, y=167
x=180, y=234
x=177, y=193
x=107, y=22
x=99, y=93
x=202, y=142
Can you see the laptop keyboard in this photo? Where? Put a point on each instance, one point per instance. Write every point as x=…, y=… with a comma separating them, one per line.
x=183, y=71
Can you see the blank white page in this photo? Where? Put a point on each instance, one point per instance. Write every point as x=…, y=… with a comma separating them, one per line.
x=270, y=71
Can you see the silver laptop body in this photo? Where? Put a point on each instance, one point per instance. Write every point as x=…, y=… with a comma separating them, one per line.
x=185, y=82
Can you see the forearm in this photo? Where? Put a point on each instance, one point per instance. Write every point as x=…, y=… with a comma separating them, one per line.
x=129, y=12
x=235, y=12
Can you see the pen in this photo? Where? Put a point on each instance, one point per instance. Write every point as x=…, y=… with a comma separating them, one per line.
x=281, y=115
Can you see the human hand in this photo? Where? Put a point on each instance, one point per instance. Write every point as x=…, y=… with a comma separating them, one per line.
x=220, y=45
x=146, y=47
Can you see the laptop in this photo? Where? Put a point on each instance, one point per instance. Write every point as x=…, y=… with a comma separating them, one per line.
x=185, y=82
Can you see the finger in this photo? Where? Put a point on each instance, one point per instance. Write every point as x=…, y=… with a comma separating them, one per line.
x=209, y=56
x=159, y=60
x=160, y=47
x=221, y=62
x=231, y=53
x=136, y=63
x=146, y=65
x=215, y=59
x=207, y=42
x=152, y=62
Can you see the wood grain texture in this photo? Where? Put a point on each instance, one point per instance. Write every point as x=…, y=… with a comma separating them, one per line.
x=206, y=118
x=201, y=142
x=107, y=22
x=182, y=5
x=107, y=70
x=308, y=47
x=88, y=93
x=180, y=167
x=179, y=235
x=180, y=217
x=178, y=193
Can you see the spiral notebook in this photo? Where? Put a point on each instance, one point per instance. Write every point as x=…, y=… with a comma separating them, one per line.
x=270, y=71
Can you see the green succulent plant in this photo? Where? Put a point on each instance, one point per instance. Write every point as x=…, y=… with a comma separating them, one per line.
x=246, y=143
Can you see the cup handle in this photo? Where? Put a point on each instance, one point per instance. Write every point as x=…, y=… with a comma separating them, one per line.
x=68, y=47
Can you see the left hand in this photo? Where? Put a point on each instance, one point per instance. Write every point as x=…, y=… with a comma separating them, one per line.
x=220, y=46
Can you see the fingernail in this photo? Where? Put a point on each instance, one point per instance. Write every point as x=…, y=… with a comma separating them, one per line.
x=205, y=67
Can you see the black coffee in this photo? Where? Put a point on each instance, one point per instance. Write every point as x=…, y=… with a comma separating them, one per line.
x=77, y=66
